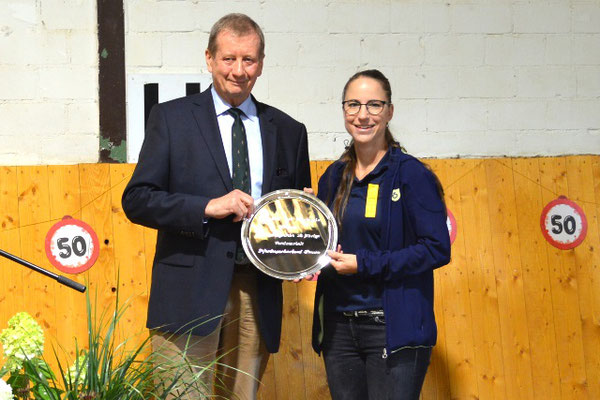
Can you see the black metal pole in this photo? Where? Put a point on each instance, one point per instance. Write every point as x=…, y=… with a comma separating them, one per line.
x=59, y=278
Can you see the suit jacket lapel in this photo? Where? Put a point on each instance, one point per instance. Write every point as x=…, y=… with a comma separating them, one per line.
x=268, y=132
x=208, y=126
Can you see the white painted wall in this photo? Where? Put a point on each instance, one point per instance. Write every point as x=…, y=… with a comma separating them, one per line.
x=470, y=77
x=48, y=82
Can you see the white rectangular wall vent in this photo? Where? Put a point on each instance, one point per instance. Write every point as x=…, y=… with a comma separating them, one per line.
x=145, y=90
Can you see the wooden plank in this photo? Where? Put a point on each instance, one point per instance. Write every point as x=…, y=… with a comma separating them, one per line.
x=509, y=281
x=34, y=213
x=564, y=286
x=314, y=178
x=130, y=258
x=536, y=279
x=96, y=211
x=317, y=169
x=473, y=222
x=11, y=274
x=288, y=366
x=581, y=190
x=267, y=388
x=314, y=370
x=437, y=380
x=593, y=243
x=314, y=378
x=65, y=196
x=455, y=286
x=65, y=199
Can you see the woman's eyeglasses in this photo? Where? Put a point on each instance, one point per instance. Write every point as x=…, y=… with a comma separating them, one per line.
x=374, y=107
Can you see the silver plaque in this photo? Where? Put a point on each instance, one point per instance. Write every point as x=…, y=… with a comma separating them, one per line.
x=289, y=234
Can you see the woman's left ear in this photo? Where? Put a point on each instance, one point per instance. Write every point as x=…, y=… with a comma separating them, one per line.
x=391, y=111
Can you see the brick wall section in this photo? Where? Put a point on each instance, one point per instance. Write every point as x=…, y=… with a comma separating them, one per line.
x=48, y=82
x=470, y=78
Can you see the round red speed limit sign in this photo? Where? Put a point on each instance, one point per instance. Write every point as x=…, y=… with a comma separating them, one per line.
x=563, y=223
x=72, y=246
x=451, y=223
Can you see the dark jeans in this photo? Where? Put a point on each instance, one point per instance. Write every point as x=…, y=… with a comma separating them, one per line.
x=356, y=369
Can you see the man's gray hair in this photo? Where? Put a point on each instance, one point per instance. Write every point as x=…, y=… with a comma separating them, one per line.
x=240, y=25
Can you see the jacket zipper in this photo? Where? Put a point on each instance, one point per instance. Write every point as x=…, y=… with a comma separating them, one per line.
x=384, y=355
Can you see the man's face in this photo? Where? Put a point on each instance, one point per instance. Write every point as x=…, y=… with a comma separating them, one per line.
x=235, y=66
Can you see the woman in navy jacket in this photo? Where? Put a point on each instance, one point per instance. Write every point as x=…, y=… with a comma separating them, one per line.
x=374, y=319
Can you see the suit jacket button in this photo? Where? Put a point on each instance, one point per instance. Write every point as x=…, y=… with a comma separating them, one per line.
x=230, y=254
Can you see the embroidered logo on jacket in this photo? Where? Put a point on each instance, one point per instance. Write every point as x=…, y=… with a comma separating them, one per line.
x=396, y=194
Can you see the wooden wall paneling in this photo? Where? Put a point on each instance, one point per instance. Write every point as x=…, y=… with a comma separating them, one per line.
x=314, y=369
x=69, y=305
x=581, y=190
x=437, y=380
x=437, y=383
x=474, y=229
x=482, y=277
x=317, y=169
x=315, y=379
x=484, y=239
x=455, y=285
x=593, y=242
x=314, y=177
x=130, y=258
x=509, y=280
x=65, y=196
x=536, y=279
x=288, y=362
x=97, y=212
x=34, y=213
x=565, y=301
x=267, y=388
x=524, y=314
x=11, y=274
x=595, y=167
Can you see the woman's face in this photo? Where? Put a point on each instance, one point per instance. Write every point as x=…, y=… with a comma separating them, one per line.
x=363, y=126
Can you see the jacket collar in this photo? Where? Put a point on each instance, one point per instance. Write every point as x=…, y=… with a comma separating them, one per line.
x=268, y=131
x=206, y=119
x=396, y=155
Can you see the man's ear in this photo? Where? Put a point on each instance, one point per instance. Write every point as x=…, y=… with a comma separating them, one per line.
x=260, y=67
x=209, y=60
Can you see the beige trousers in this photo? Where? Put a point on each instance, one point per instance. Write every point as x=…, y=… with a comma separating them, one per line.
x=236, y=342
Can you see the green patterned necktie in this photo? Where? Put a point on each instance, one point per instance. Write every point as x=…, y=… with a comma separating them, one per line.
x=240, y=167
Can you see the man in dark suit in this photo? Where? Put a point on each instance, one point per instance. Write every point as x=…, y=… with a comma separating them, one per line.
x=183, y=187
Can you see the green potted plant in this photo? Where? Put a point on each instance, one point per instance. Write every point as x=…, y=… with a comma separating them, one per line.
x=104, y=369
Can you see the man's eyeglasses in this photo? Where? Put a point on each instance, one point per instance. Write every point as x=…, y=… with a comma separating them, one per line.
x=374, y=107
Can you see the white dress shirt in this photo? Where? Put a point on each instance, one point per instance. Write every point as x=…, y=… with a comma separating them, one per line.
x=253, y=137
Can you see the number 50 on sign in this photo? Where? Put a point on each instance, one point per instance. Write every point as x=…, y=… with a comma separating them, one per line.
x=563, y=223
x=72, y=246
